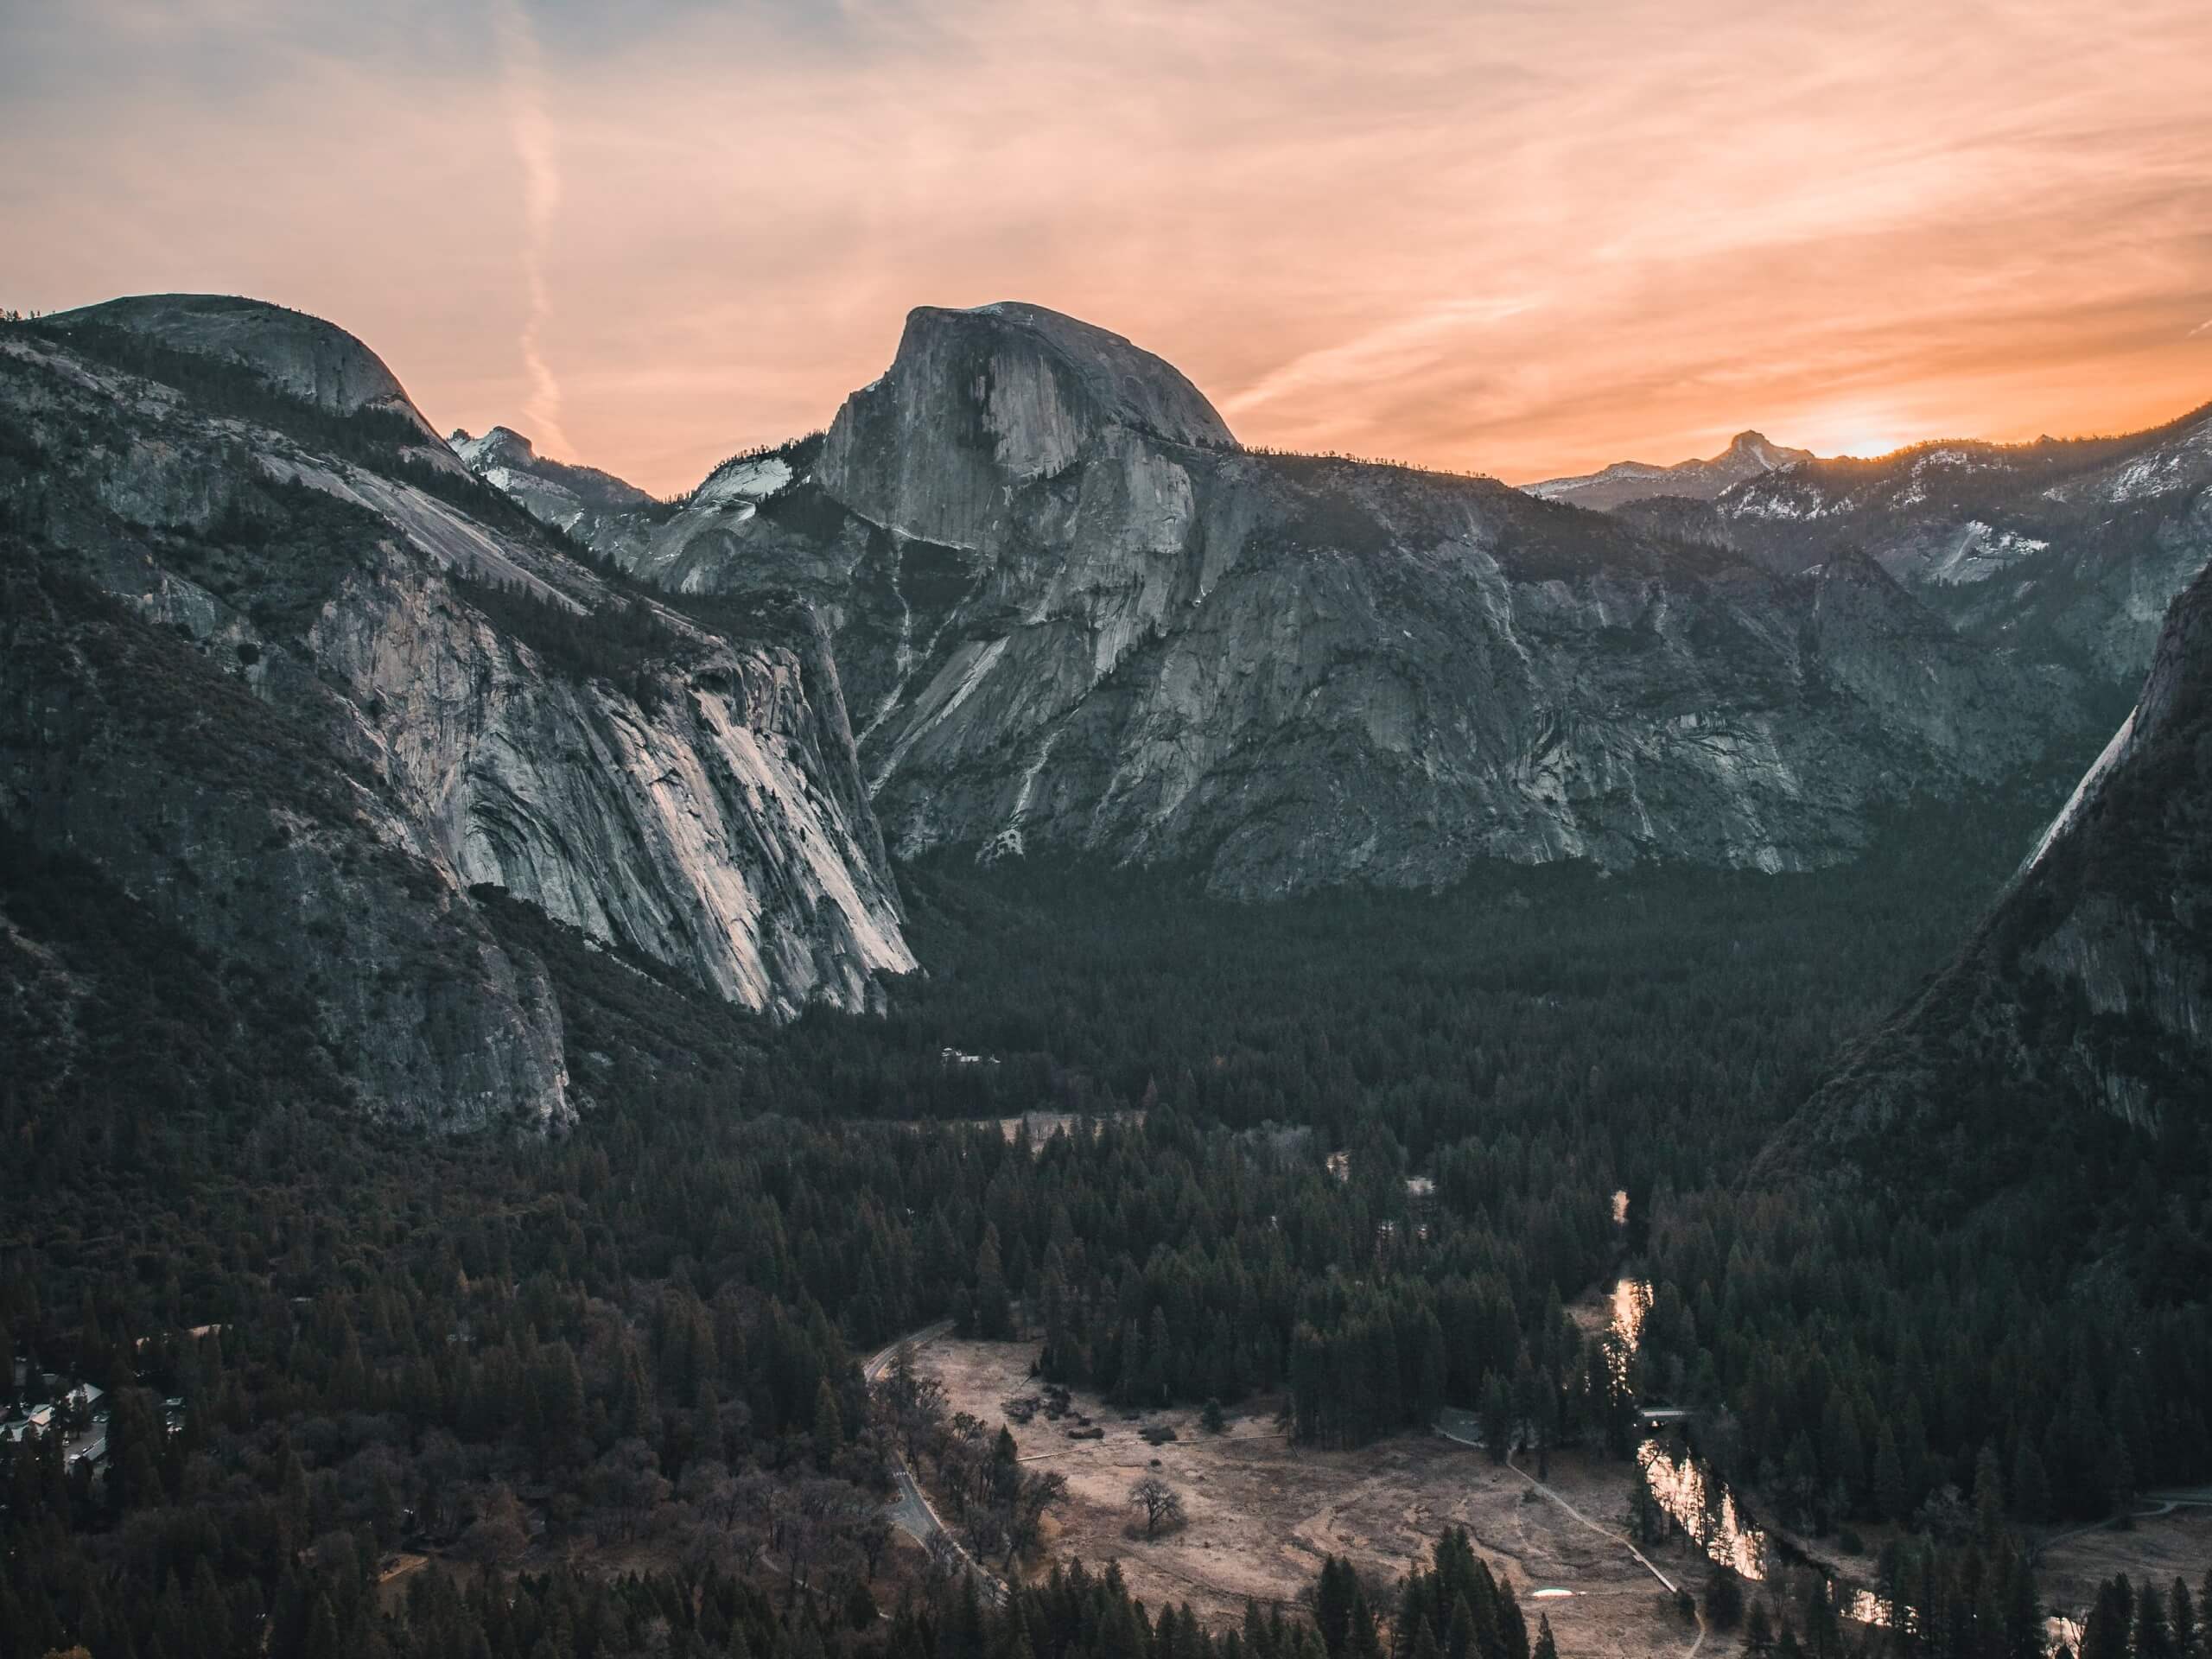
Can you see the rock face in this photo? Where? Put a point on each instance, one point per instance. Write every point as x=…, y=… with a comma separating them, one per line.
x=1748, y=455
x=1070, y=613
x=980, y=403
x=300, y=702
x=2067, y=553
x=595, y=508
x=2088, y=990
x=231, y=822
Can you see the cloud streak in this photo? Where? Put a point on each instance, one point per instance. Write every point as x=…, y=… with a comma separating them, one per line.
x=1522, y=239
x=537, y=147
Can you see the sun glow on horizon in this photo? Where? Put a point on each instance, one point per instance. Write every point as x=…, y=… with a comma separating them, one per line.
x=1667, y=224
x=1860, y=434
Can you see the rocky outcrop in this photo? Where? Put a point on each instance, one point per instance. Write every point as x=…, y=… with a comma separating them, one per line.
x=1070, y=613
x=1749, y=455
x=352, y=698
x=2088, y=990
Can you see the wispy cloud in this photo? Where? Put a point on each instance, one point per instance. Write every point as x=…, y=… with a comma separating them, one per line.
x=1523, y=238
x=1402, y=346
x=537, y=148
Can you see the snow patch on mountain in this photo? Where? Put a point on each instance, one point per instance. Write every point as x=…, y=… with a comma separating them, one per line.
x=753, y=478
x=1980, y=552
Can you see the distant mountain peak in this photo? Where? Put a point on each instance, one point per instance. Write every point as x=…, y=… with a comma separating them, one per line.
x=583, y=501
x=499, y=446
x=1749, y=454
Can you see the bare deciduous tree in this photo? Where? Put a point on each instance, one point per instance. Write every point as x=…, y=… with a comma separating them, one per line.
x=1161, y=1504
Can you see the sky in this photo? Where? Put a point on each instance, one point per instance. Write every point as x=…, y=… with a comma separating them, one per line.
x=1525, y=239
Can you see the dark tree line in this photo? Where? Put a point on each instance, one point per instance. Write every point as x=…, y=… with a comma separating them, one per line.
x=2127, y=1622
x=612, y=641
x=1453, y=1608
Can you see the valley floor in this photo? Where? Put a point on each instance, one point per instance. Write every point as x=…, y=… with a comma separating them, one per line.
x=1264, y=1512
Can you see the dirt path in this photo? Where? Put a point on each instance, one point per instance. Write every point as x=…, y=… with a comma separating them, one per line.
x=1452, y=1431
x=1607, y=1532
x=400, y=1568
x=2162, y=1504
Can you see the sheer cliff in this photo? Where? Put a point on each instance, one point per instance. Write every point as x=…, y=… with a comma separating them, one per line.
x=296, y=682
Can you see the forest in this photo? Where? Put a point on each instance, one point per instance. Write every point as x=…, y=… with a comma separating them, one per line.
x=639, y=1342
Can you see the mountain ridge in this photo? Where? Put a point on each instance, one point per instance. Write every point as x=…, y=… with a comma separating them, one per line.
x=303, y=355
x=2070, y=550
x=1059, y=625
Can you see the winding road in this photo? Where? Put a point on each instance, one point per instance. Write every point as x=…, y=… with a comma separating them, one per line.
x=911, y=1511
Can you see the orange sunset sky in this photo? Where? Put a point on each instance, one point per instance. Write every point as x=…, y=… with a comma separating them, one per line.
x=1521, y=239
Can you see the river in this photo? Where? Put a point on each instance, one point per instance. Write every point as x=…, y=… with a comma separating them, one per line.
x=1697, y=1499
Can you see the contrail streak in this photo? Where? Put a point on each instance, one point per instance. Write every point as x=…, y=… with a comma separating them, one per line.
x=535, y=148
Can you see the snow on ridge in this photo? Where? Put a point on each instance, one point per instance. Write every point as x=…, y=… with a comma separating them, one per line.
x=1772, y=504
x=2153, y=474
x=753, y=478
x=1551, y=488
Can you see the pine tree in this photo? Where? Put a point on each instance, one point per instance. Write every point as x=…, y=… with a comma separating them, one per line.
x=322, y=1631
x=992, y=1306
x=1724, y=1597
x=1988, y=1496
x=2105, y=1633
x=1758, y=1630
x=2153, y=1635
x=2183, y=1618
x=1646, y=1518
x=829, y=1426
x=1333, y=1595
x=1459, y=1630
x=1890, y=1496
x=2031, y=1485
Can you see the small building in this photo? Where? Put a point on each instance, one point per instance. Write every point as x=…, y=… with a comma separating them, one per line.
x=39, y=1417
